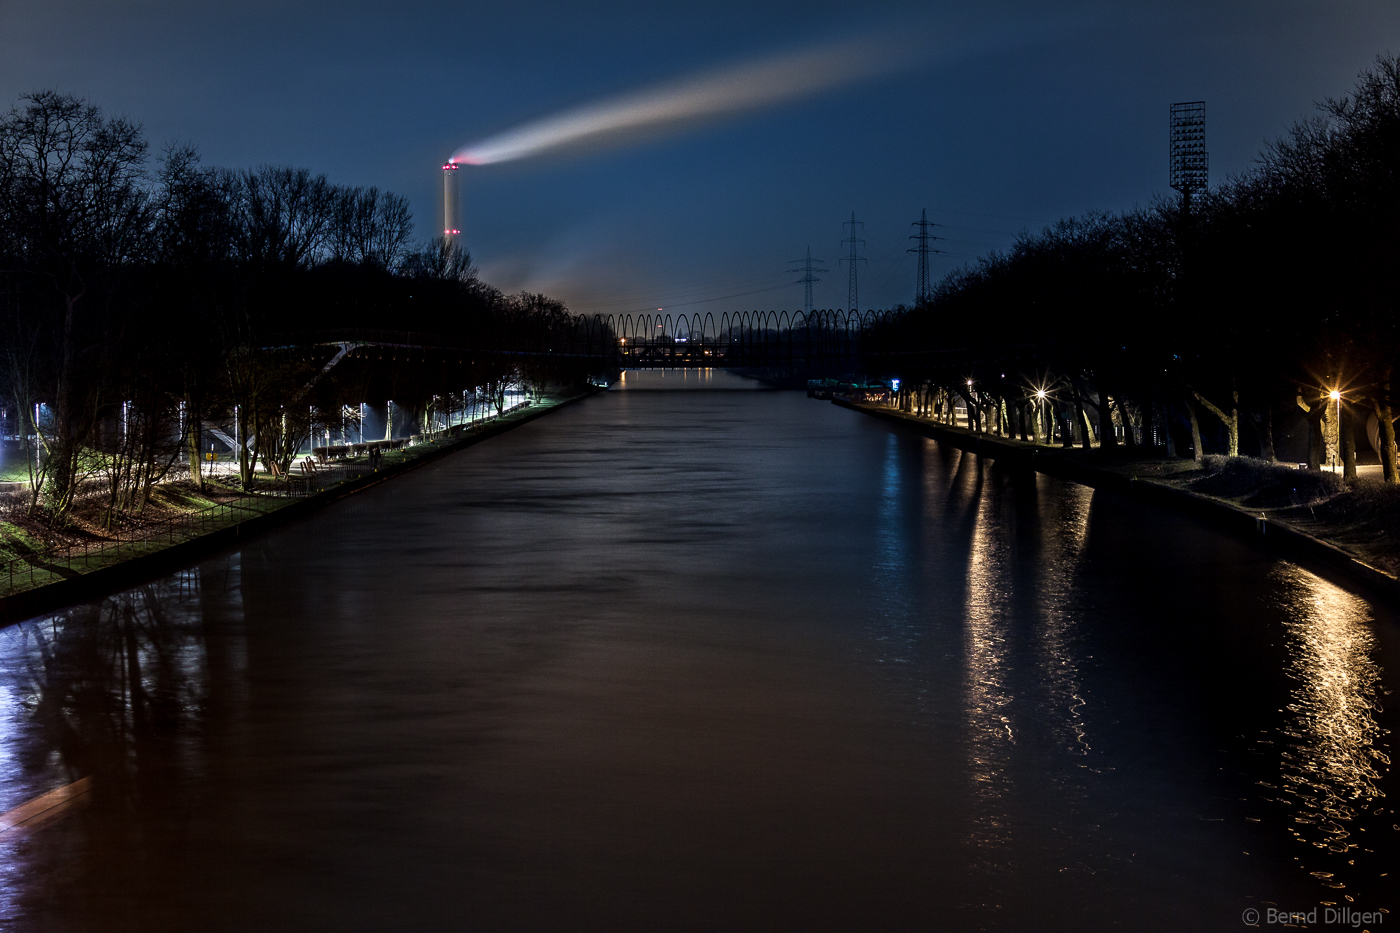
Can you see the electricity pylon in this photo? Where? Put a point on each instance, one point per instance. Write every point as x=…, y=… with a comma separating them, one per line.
x=923, y=290
x=852, y=295
x=808, y=277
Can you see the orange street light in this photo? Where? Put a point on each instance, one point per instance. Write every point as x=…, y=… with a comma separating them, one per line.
x=1336, y=457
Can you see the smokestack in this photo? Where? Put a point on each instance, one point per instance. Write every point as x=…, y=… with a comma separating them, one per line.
x=450, y=199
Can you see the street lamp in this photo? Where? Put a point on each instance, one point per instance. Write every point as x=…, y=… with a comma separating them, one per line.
x=1337, y=455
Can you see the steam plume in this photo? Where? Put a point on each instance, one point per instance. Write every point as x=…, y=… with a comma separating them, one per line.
x=730, y=90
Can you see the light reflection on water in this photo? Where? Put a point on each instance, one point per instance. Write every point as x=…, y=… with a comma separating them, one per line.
x=117, y=691
x=988, y=693
x=700, y=660
x=1331, y=765
x=1022, y=563
x=1064, y=519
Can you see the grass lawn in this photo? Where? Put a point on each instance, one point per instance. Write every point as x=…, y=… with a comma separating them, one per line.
x=32, y=553
x=13, y=469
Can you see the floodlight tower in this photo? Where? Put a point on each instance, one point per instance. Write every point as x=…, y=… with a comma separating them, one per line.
x=809, y=269
x=1189, y=161
x=450, y=200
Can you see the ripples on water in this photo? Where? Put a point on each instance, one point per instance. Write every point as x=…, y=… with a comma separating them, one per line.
x=706, y=659
x=1330, y=746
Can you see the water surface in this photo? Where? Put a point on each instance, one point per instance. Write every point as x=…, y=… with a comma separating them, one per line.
x=700, y=660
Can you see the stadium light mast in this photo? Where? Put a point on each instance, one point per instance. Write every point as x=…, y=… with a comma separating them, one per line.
x=1189, y=161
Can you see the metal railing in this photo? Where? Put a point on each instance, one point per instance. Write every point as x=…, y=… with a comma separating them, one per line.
x=55, y=560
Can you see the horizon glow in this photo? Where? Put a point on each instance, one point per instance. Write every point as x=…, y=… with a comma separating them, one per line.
x=737, y=88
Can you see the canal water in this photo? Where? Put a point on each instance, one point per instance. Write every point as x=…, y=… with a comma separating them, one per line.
x=691, y=654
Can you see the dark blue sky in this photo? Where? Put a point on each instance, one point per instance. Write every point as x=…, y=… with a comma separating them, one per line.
x=1016, y=114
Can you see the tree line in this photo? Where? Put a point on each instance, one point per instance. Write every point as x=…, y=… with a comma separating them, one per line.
x=1267, y=300
x=143, y=299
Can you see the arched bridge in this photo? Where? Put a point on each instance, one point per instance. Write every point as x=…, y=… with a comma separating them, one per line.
x=820, y=340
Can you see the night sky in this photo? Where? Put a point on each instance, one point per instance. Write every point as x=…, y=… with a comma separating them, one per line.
x=1008, y=116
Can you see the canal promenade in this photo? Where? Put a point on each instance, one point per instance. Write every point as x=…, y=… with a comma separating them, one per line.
x=1290, y=528
x=699, y=660
x=41, y=580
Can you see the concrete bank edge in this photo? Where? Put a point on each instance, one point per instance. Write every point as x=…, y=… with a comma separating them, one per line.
x=1273, y=536
x=128, y=573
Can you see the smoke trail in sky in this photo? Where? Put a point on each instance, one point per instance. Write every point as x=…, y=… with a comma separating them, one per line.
x=729, y=90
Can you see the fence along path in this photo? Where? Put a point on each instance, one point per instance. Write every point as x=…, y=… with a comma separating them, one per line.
x=28, y=567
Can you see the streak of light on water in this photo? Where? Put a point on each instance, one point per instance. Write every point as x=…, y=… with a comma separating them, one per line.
x=701, y=659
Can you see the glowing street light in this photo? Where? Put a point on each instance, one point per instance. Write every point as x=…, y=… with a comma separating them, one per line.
x=1336, y=396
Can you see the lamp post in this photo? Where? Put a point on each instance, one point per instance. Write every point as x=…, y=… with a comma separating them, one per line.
x=1040, y=414
x=1337, y=451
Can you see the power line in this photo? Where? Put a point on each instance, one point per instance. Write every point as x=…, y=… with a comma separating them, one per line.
x=1010, y=233
x=686, y=292
x=686, y=304
x=1025, y=220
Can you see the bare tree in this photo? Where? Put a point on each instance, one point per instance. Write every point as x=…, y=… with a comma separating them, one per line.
x=444, y=260
x=285, y=215
x=77, y=213
x=372, y=228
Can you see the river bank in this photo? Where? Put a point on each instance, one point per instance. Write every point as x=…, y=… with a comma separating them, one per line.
x=1316, y=517
x=39, y=576
x=709, y=659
